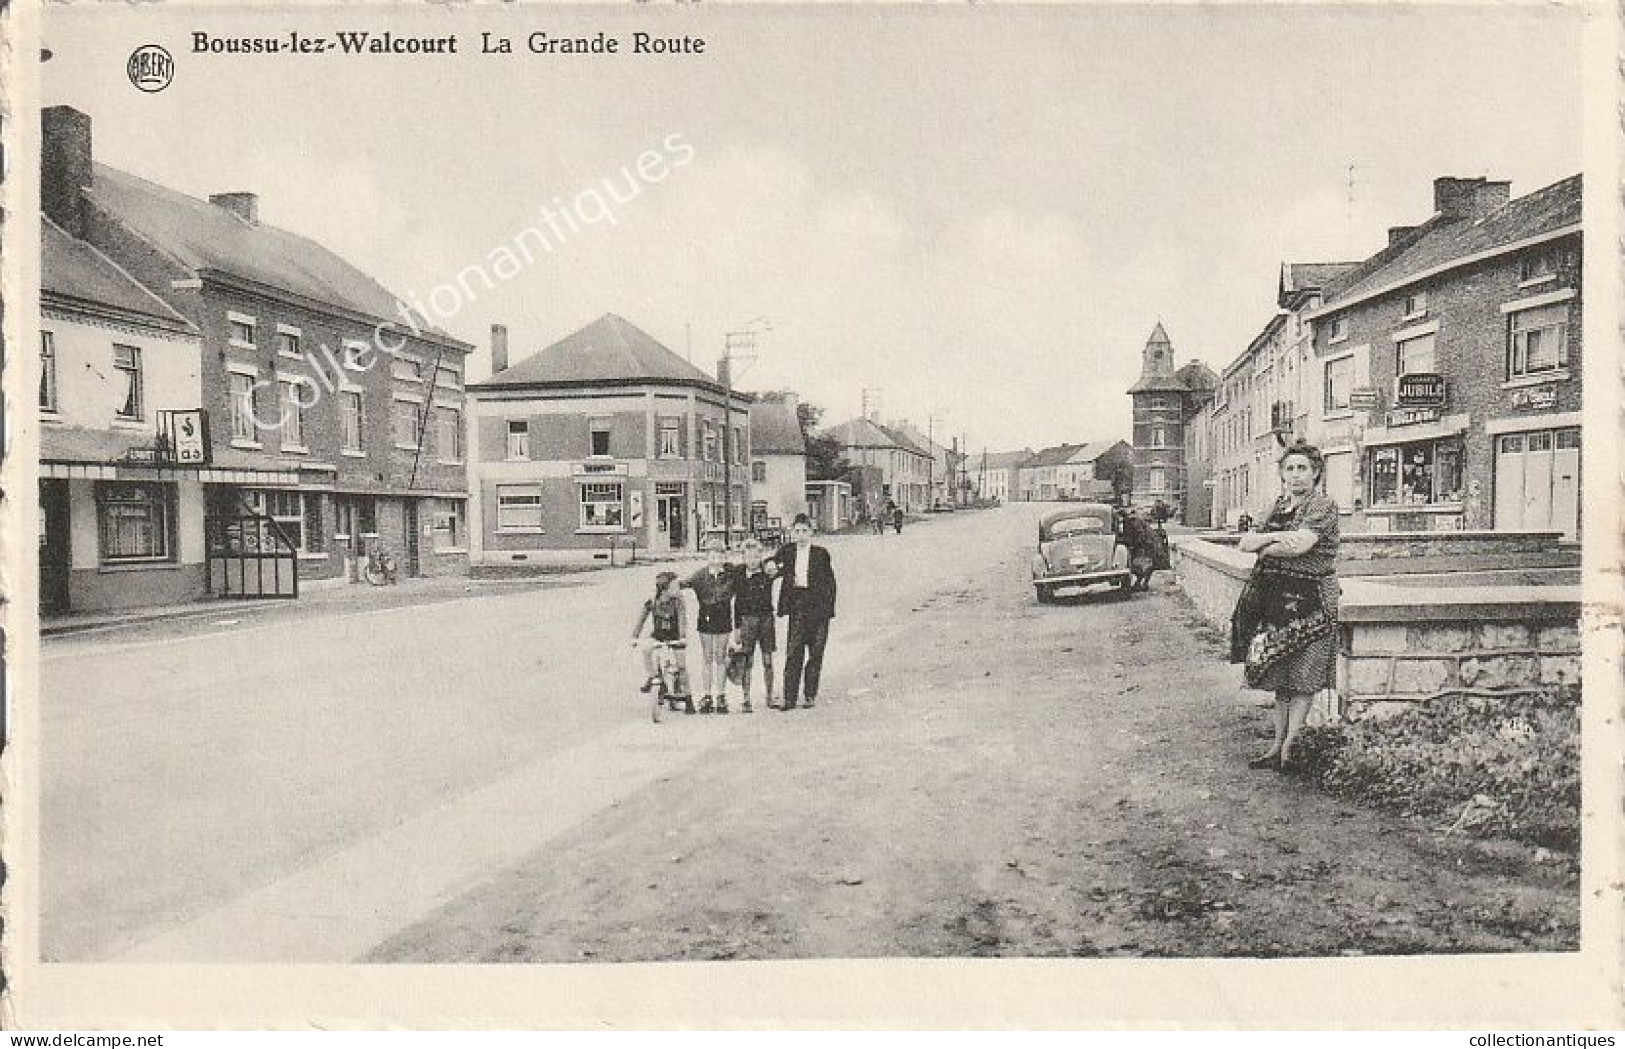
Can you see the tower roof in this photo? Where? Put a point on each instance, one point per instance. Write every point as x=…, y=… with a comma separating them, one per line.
x=1158, y=337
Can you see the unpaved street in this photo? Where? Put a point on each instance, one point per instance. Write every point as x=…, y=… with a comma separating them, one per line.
x=478, y=780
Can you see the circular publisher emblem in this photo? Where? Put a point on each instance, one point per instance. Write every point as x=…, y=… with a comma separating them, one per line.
x=150, y=68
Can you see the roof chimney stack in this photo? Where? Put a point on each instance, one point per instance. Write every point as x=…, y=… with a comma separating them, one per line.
x=1398, y=233
x=245, y=206
x=65, y=170
x=1468, y=198
x=499, y=348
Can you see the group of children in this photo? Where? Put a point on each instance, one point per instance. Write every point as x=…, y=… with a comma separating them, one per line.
x=734, y=622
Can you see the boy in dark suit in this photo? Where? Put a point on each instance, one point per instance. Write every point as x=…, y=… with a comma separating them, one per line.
x=807, y=596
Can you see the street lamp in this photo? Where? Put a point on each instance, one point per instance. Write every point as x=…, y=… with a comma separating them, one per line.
x=743, y=337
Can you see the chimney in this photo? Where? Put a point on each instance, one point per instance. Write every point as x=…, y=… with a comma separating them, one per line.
x=499, y=348
x=1468, y=198
x=245, y=206
x=65, y=167
x=1398, y=233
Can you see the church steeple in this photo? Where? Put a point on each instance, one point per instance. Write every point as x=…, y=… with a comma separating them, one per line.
x=1158, y=356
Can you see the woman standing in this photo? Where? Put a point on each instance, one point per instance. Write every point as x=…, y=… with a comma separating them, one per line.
x=1285, y=628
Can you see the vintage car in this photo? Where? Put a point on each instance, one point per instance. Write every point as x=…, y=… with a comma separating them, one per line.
x=1079, y=547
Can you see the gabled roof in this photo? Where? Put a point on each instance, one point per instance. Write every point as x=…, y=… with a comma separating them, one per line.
x=866, y=433
x=1055, y=455
x=1297, y=277
x=1093, y=450
x=1158, y=335
x=610, y=349
x=206, y=237
x=1438, y=243
x=74, y=274
x=1004, y=460
x=903, y=441
x=775, y=430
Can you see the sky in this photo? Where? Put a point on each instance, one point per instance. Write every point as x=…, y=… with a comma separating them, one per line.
x=976, y=213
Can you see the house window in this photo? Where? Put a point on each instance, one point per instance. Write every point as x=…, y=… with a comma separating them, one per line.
x=406, y=369
x=134, y=521
x=240, y=331
x=1537, y=267
x=518, y=439
x=366, y=515
x=448, y=525
x=292, y=414
x=1159, y=436
x=519, y=508
x=599, y=436
x=242, y=407
x=1416, y=305
x=1154, y=480
x=408, y=424
x=352, y=355
x=47, y=371
x=1415, y=356
x=448, y=378
x=710, y=442
x=758, y=471
x=601, y=505
x=670, y=443
x=299, y=517
x=1340, y=330
x=450, y=437
x=287, y=343
x=350, y=410
x=740, y=457
x=127, y=362
x=1339, y=383
x=1537, y=341
x=1417, y=474
x=1158, y=404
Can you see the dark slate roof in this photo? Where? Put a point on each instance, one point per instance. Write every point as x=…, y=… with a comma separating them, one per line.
x=775, y=430
x=866, y=433
x=1158, y=335
x=203, y=236
x=1439, y=242
x=1160, y=383
x=903, y=441
x=610, y=349
x=1304, y=276
x=76, y=274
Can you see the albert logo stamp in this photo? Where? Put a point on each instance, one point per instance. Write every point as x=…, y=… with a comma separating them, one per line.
x=150, y=67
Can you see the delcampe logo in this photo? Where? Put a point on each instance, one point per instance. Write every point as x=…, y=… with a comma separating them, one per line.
x=150, y=68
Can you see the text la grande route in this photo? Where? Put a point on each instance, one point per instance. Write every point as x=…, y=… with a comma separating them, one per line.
x=541, y=43
x=386, y=43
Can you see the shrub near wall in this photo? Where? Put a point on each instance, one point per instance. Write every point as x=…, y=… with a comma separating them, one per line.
x=1485, y=766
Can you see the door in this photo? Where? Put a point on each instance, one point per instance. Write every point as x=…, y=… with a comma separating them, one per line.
x=1509, y=483
x=55, y=553
x=1566, y=483
x=1537, y=481
x=412, y=538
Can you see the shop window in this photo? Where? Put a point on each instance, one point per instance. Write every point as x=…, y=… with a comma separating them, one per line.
x=598, y=430
x=1537, y=341
x=601, y=505
x=127, y=363
x=450, y=437
x=1416, y=356
x=47, y=372
x=519, y=508
x=242, y=407
x=1422, y=473
x=298, y=516
x=134, y=522
x=518, y=439
x=448, y=525
x=350, y=410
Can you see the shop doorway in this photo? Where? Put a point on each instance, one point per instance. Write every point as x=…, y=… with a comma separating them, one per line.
x=669, y=517
x=55, y=551
x=412, y=539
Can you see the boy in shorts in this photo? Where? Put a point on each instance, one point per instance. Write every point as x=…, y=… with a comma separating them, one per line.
x=753, y=611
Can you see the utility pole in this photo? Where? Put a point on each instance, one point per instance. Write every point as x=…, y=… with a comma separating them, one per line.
x=931, y=465
x=745, y=339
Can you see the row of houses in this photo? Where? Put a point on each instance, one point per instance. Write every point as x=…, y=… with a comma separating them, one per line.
x=1441, y=377
x=1095, y=471
x=227, y=408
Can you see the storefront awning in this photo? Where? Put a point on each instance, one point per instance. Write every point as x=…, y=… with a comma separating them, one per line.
x=75, y=453
x=1449, y=426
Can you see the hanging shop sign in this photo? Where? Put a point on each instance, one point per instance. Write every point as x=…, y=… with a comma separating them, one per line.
x=1363, y=398
x=182, y=440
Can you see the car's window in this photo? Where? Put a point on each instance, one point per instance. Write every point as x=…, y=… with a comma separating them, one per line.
x=1077, y=526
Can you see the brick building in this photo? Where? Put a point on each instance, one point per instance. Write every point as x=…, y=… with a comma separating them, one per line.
x=604, y=440
x=1449, y=367
x=1165, y=400
x=308, y=365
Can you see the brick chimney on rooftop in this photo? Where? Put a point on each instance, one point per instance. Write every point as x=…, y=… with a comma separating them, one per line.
x=245, y=206
x=65, y=167
x=499, y=348
x=1468, y=198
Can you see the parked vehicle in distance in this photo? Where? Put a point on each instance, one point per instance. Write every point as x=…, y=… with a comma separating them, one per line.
x=1079, y=547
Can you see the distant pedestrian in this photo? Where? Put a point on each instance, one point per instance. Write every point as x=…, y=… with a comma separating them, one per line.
x=897, y=519
x=714, y=587
x=755, y=627
x=1141, y=549
x=1285, y=625
x=807, y=597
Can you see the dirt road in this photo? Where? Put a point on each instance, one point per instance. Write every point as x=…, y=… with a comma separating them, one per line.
x=989, y=777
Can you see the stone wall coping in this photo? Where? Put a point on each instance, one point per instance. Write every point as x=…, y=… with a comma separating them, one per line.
x=1554, y=539
x=1369, y=601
